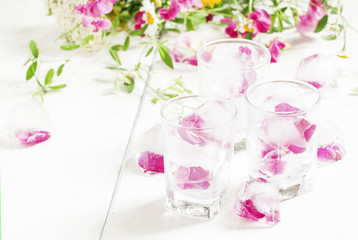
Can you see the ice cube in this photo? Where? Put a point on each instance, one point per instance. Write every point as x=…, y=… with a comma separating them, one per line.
x=149, y=151
x=318, y=70
x=258, y=200
x=26, y=124
x=331, y=145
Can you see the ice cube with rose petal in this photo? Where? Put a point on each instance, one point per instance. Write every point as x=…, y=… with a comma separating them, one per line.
x=318, y=70
x=149, y=151
x=25, y=125
x=258, y=200
x=331, y=145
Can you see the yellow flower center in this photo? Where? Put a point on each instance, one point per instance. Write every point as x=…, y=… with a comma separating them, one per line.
x=150, y=18
x=211, y=3
x=248, y=28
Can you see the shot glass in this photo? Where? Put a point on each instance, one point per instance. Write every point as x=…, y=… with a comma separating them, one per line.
x=281, y=137
x=229, y=66
x=198, y=142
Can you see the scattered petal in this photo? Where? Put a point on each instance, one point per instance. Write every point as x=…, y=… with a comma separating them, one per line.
x=151, y=162
x=261, y=20
x=275, y=48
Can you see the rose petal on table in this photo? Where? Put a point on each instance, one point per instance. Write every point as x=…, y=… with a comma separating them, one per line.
x=32, y=137
x=151, y=162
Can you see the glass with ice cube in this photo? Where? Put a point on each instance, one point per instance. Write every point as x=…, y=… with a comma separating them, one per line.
x=198, y=143
x=229, y=66
x=281, y=136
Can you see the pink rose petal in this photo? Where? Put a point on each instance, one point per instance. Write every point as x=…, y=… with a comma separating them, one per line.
x=285, y=107
x=273, y=162
x=151, y=162
x=309, y=132
x=193, y=135
x=258, y=200
x=296, y=149
x=32, y=137
x=330, y=153
x=192, y=178
x=261, y=20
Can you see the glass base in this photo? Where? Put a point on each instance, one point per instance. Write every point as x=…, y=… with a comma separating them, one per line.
x=291, y=191
x=193, y=209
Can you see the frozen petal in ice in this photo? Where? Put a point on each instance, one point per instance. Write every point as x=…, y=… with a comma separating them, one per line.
x=32, y=137
x=193, y=133
x=151, y=162
x=192, y=178
x=274, y=162
x=305, y=128
x=285, y=107
x=318, y=70
x=331, y=153
x=331, y=143
x=258, y=200
x=296, y=149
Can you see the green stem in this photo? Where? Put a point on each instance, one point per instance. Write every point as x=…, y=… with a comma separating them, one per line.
x=251, y=2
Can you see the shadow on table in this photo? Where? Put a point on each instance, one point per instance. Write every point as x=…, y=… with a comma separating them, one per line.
x=146, y=219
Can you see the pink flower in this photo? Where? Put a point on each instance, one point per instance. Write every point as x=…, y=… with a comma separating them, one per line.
x=32, y=137
x=210, y=17
x=192, y=133
x=275, y=48
x=172, y=12
x=102, y=24
x=333, y=152
x=139, y=20
x=189, y=3
x=192, y=178
x=308, y=22
x=249, y=211
x=97, y=8
x=151, y=162
x=231, y=28
x=262, y=20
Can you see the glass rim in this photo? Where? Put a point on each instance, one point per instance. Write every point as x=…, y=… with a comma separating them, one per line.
x=290, y=113
x=228, y=40
x=174, y=124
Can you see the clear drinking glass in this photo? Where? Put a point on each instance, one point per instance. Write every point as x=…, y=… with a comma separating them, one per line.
x=198, y=143
x=229, y=66
x=281, y=137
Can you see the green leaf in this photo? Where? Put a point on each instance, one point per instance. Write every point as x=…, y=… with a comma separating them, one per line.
x=34, y=49
x=248, y=36
x=190, y=25
x=115, y=68
x=321, y=24
x=49, y=76
x=149, y=51
x=129, y=86
x=170, y=95
x=58, y=87
x=115, y=23
x=295, y=15
x=165, y=56
x=329, y=37
x=171, y=30
x=175, y=89
x=139, y=32
x=117, y=47
x=198, y=17
x=69, y=47
x=87, y=39
x=60, y=69
x=126, y=43
x=179, y=20
x=31, y=71
x=114, y=55
x=38, y=94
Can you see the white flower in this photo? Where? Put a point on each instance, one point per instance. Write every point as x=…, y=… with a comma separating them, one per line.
x=150, y=17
